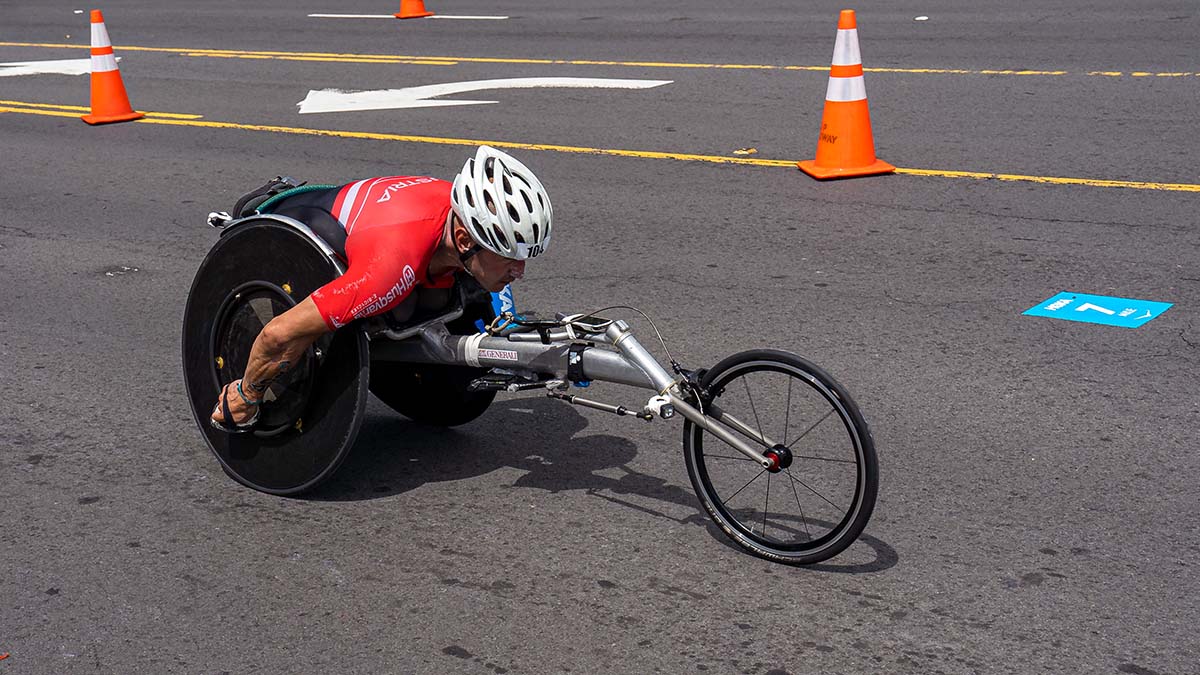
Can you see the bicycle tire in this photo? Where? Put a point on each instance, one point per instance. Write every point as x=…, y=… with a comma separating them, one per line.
x=837, y=531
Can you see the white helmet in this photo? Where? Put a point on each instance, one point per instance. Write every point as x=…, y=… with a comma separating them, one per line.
x=503, y=205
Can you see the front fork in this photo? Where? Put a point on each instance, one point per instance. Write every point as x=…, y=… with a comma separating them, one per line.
x=669, y=388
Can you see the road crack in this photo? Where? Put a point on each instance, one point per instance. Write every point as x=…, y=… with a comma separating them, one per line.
x=1183, y=336
x=19, y=231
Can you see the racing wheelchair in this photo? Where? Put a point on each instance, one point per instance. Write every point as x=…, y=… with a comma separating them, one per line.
x=777, y=451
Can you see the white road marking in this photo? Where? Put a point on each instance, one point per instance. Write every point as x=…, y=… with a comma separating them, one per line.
x=60, y=67
x=335, y=100
x=1087, y=305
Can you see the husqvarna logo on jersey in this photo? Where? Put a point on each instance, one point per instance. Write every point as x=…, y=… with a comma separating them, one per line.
x=400, y=185
x=376, y=303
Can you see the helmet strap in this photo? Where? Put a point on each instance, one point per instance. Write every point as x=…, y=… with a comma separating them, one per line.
x=469, y=253
x=451, y=221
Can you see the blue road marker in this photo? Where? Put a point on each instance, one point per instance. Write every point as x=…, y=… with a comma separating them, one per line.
x=1101, y=309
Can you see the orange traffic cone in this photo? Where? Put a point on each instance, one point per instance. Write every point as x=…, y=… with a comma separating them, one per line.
x=110, y=103
x=845, y=147
x=412, y=9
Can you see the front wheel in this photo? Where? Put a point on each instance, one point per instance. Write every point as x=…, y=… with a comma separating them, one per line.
x=817, y=497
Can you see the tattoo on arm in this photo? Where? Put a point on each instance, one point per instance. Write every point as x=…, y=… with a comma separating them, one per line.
x=260, y=386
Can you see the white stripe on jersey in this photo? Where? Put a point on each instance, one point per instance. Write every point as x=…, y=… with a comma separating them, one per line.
x=355, y=212
x=344, y=213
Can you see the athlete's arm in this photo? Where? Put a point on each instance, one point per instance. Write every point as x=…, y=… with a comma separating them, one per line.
x=276, y=350
x=280, y=344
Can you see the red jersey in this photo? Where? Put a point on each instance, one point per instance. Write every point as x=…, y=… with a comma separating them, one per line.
x=394, y=225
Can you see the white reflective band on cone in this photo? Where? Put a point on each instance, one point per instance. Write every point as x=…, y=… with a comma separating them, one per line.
x=104, y=63
x=845, y=49
x=846, y=89
x=100, y=36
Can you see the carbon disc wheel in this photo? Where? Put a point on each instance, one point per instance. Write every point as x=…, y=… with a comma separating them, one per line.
x=310, y=418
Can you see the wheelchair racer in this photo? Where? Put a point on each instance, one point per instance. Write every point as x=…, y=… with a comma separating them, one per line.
x=403, y=232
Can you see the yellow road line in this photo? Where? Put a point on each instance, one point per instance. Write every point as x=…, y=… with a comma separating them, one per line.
x=417, y=62
x=84, y=109
x=1093, y=182
x=449, y=60
x=39, y=109
x=31, y=111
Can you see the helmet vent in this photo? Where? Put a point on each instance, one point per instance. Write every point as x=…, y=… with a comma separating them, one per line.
x=500, y=238
x=482, y=233
x=513, y=213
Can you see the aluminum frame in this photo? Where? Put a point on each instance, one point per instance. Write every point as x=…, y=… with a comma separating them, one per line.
x=613, y=354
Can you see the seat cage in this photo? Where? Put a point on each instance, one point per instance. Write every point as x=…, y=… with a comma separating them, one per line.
x=338, y=258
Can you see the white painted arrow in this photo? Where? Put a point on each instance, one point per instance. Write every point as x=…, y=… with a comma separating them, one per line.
x=335, y=100
x=1088, y=305
x=63, y=67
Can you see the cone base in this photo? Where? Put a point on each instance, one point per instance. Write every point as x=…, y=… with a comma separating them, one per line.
x=417, y=15
x=108, y=119
x=809, y=166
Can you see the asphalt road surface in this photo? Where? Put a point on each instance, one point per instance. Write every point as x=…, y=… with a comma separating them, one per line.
x=1038, y=506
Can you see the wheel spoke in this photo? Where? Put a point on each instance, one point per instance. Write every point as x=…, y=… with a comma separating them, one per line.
x=808, y=430
x=803, y=519
x=787, y=410
x=746, y=383
x=730, y=497
x=809, y=488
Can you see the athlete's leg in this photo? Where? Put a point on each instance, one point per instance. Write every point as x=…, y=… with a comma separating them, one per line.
x=276, y=350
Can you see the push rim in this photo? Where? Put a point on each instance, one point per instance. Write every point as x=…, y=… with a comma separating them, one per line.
x=241, y=317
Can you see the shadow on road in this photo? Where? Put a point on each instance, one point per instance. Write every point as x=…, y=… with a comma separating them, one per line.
x=545, y=440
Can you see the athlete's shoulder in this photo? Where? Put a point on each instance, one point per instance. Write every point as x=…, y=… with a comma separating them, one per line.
x=412, y=188
x=405, y=181
x=393, y=183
